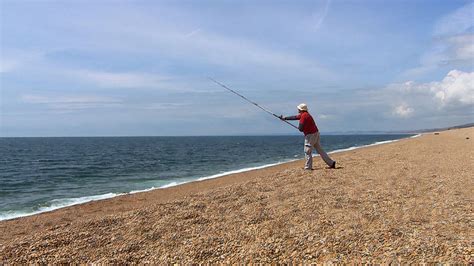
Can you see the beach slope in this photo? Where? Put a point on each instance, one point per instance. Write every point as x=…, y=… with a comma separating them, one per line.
x=407, y=201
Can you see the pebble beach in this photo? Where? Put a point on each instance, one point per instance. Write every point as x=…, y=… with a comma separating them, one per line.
x=408, y=201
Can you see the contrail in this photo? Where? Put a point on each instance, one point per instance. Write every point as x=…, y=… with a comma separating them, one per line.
x=323, y=16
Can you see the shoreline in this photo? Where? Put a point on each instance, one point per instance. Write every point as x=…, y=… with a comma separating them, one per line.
x=402, y=202
x=110, y=195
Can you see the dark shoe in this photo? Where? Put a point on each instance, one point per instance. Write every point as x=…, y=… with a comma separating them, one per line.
x=308, y=169
x=333, y=166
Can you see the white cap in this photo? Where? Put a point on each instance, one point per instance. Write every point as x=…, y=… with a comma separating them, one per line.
x=302, y=107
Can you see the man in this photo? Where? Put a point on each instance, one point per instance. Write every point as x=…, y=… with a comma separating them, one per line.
x=311, y=137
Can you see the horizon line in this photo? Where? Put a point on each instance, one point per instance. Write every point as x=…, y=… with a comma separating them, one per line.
x=353, y=132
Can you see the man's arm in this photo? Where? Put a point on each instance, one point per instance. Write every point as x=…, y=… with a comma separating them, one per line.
x=300, y=127
x=294, y=117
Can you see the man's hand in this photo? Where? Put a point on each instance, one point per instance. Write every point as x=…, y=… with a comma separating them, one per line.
x=281, y=117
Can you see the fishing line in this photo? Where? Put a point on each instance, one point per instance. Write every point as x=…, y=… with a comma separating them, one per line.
x=254, y=103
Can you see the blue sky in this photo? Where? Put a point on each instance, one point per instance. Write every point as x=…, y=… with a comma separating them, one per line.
x=118, y=68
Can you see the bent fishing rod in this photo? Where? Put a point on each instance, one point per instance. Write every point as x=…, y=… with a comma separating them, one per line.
x=254, y=103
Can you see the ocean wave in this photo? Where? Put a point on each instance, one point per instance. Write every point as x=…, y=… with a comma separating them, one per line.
x=57, y=204
x=368, y=145
x=66, y=202
x=243, y=170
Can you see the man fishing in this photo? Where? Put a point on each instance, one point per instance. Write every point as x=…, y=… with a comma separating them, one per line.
x=311, y=137
x=307, y=126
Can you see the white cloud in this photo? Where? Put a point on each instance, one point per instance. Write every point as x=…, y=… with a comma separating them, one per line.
x=455, y=51
x=162, y=106
x=71, y=102
x=324, y=116
x=453, y=43
x=236, y=52
x=447, y=101
x=453, y=94
x=403, y=111
x=322, y=16
x=38, y=64
x=120, y=80
x=194, y=32
x=138, y=32
x=13, y=59
x=457, y=22
x=8, y=65
x=461, y=47
x=143, y=33
x=38, y=99
x=456, y=88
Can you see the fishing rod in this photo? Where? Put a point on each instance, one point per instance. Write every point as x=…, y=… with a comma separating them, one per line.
x=254, y=103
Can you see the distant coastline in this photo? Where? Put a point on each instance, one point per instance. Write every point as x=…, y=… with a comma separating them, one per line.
x=400, y=131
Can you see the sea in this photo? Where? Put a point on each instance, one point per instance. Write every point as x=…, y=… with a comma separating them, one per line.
x=43, y=174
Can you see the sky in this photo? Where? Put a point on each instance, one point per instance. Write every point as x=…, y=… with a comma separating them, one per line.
x=141, y=68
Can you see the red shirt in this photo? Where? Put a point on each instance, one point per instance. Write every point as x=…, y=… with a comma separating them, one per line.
x=307, y=121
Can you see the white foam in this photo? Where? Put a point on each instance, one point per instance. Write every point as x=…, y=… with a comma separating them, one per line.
x=173, y=184
x=242, y=170
x=143, y=190
x=61, y=203
x=346, y=149
x=369, y=145
x=57, y=204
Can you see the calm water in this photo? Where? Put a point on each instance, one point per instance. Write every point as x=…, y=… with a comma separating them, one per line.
x=40, y=174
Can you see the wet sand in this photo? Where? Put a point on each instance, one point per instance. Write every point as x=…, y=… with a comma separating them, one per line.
x=407, y=201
